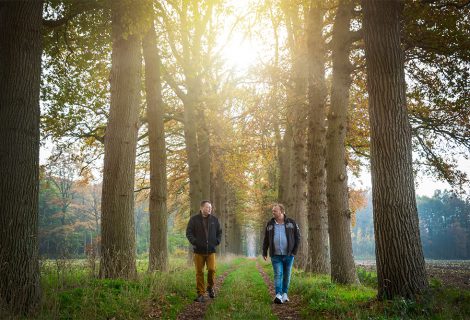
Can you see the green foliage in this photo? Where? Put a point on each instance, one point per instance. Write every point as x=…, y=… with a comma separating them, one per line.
x=76, y=64
x=367, y=278
x=444, y=227
x=436, y=37
x=176, y=241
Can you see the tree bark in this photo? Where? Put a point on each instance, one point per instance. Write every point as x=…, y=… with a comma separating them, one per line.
x=219, y=196
x=400, y=262
x=233, y=239
x=318, y=257
x=158, y=215
x=284, y=159
x=296, y=205
x=117, y=206
x=192, y=151
x=204, y=156
x=191, y=67
x=20, y=72
x=299, y=186
x=343, y=269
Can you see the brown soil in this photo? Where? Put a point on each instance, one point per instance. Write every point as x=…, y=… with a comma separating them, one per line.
x=197, y=310
x=288, y=310
x=449, y=273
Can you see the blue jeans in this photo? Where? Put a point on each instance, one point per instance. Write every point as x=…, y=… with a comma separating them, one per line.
x=282, y=266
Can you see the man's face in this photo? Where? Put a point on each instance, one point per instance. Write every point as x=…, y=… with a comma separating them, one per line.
x=277, y=212
x=206, y=209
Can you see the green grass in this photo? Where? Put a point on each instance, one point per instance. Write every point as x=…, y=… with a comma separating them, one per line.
x=323, y=299
x=172, y=292
x=71, y=292
x=244, y=295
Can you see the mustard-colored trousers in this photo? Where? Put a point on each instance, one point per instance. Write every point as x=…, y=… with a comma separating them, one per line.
x=199, y=261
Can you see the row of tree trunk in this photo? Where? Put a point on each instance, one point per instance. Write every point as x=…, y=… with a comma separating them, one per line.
x=313, y=152
x=400, y=263
x=118, y=246
x=323, y=164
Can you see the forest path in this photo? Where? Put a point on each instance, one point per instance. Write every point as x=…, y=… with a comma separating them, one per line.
x=197, y=310
x=289, y=310
x=244, y=291
x=244, y=295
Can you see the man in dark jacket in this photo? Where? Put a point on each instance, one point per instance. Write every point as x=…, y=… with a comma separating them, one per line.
x=282, y=237
x=204, y=233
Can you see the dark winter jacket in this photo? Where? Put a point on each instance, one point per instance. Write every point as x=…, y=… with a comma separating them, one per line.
x=292, y=235
x=197, y=236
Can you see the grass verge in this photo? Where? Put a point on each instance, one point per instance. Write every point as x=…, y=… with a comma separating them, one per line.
x=70, y=292
x=323, y=299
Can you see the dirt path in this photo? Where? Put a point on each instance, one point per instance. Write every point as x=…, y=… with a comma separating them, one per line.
x=289, y=310
x=197, y=310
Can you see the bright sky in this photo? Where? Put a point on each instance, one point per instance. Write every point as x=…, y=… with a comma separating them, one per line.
x=240, y=53
x=240, y=50
x=425, y=186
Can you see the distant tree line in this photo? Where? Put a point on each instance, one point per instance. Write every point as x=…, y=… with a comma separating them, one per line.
x=444, y=223
x=69, y=222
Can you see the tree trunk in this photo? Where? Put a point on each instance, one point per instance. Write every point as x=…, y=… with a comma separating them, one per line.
x=232, y=239
x=343, y=269
x=400, y=262
x=204, y=156
x=20, y=72
x=299, y=187
x=284, y=158
x=158, y=251
x=296, y=205
x=192, y=151
x=298, y=174
x=220, y=207
x=117, y=206
x=318, y=258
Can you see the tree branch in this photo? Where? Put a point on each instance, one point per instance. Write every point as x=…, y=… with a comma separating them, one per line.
x=174, y=86
x=77, y=8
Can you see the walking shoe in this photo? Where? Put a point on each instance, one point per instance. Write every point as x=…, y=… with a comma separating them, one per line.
x=278, y=299
x=200, y=298
x=211, y=292
x=285, y=298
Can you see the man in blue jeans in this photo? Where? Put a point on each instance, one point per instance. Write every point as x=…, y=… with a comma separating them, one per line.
x=282, y=237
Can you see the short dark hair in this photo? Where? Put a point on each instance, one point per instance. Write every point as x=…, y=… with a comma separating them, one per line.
x=203, y=202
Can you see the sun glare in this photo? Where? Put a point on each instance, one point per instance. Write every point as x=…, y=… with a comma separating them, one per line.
x=239, y=50
x=240, y=54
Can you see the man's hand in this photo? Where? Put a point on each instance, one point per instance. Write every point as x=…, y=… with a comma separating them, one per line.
x=265, y=257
